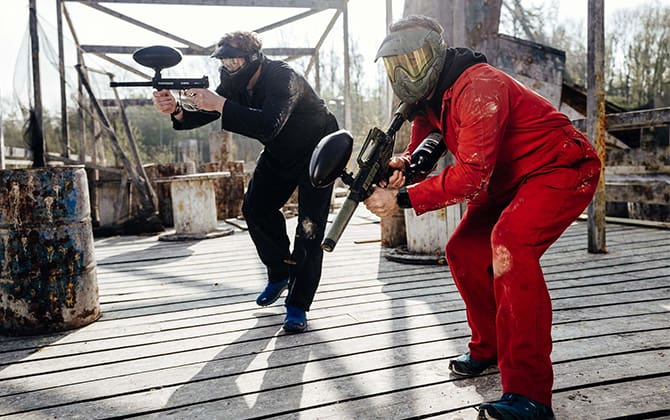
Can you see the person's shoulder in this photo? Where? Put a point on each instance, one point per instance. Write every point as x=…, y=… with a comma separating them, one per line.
x=480, y=74
x=481, y=78
x=277, y=66
x=480, y=69
x=279, y=71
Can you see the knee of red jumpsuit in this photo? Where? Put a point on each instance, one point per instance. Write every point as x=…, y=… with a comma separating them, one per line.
x=465, y=252
x=523, y=321
x=470, y=265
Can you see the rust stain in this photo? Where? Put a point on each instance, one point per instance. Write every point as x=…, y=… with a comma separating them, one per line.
x=45, y=249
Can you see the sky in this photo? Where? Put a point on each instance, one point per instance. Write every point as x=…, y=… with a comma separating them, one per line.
x=203, y=25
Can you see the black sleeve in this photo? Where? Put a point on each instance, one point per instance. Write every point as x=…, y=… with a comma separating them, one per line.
x=283, y=89
x=195, y=119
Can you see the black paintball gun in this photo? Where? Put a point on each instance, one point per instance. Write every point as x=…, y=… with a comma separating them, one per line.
x=425, y=157
x=159, y=57
x=331, y=156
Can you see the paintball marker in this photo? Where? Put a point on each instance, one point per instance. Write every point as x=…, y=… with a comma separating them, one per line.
x=331, y=155
x=425, y=157
x=159, y=57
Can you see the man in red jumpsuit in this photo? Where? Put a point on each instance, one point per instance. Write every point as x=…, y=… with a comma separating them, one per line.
x=526, y=174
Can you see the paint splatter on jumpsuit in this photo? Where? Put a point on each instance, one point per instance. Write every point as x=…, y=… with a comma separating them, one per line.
x=526, y=175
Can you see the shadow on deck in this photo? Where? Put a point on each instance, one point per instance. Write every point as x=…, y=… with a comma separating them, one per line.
x=181, y=337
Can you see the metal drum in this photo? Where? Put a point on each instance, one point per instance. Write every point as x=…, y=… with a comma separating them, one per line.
x=47, y=262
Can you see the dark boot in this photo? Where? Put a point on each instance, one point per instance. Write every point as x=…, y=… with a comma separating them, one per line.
x=271, y=292
x=515, y=407
x=464, y=365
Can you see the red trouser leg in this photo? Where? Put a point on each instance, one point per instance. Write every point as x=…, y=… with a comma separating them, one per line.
x=543, y=207
x=470, y=261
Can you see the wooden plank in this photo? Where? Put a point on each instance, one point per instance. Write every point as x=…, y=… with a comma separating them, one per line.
x=380, y=335
x=632, y=119
x=651, y=160
x=387, y=360
x=636, y=398
x=644, y=188
x=362, y=322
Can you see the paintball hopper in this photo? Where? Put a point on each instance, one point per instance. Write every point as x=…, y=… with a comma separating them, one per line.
x=330, y=157
x=157, y=57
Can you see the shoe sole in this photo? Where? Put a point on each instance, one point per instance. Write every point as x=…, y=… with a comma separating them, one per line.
x=484, y=415
x=469, y=374
x=489, y=412
x=273, y=300
x=295, y=330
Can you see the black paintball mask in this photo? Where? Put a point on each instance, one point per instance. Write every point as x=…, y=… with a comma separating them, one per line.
x=234, y=83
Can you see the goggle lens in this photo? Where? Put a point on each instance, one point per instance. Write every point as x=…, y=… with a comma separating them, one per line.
x=412, y=64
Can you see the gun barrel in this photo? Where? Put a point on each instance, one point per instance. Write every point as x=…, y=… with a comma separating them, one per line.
x=130, y=84
x=181, y=84
x=167, y=84
x=340, y=222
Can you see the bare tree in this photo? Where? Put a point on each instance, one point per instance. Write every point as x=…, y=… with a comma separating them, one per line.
x=640, y=56
x=637, y=48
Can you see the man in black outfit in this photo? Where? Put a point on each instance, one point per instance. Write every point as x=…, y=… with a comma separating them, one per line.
x=267, y=100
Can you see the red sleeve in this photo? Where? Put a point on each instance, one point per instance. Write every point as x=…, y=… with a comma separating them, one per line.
x=479, y=112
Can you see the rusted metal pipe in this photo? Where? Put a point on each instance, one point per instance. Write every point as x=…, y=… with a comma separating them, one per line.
x=596, y=129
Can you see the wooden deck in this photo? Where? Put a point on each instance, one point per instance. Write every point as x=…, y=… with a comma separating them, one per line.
x=180, y=336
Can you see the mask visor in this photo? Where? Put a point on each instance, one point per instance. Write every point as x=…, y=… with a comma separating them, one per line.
x=413, y=64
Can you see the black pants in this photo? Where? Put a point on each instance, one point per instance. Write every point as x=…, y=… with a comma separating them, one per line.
x=269, y=189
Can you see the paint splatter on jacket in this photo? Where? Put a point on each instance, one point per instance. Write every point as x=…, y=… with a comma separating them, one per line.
x=499, y=131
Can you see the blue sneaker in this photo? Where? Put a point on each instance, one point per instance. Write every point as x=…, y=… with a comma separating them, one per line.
x=464, y=365
x=296, y=320
x=271, y=292
x=515, y=407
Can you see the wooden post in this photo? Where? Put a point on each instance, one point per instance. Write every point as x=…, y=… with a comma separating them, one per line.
x=39, y=159
x=61, y=75
x=80, y=94
x=347, y=81
x=389, y=91
x=146, y=203
x=2, y=141
x=595, y=111
x=317, y=73
x=134, y=149
x=220, y=146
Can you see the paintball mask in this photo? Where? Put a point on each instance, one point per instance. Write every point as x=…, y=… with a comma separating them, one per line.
x=234, y=81
x=413, y=58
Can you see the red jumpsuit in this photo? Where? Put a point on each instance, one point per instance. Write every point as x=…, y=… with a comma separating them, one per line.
x=526, y=174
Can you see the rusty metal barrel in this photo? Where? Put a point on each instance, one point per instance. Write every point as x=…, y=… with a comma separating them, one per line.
x=47, y=262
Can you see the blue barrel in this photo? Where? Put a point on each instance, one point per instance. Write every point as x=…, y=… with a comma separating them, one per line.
x=47, y=260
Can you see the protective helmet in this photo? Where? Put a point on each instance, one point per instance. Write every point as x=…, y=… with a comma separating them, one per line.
x=413, y=57
x=234, y=83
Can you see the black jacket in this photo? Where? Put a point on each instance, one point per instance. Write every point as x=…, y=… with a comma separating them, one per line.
x=282, y=111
